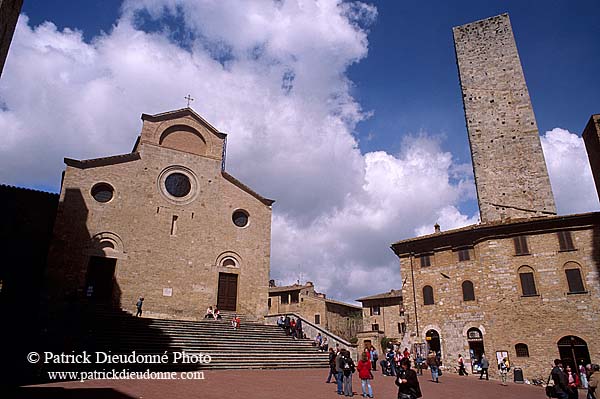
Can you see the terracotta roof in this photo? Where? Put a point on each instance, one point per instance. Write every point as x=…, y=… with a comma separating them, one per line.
x=93, y=163
x=285, y=288
x=342, y=304
x=473, y=233
x=181, y=113
x=8, y=187
x=390, y=294
x=247, y=189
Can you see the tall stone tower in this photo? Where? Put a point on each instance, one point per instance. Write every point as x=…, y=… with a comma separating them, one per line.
x=591, y=137
x=508, y=163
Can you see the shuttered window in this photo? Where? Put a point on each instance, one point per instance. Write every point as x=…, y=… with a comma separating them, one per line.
x=375, y=327
x=521, y=245
x=428, y=295
x=463, y=255
x=565, y=241
x=425, y=261
x=574, y=280
x=468, y=291
x=528, y=284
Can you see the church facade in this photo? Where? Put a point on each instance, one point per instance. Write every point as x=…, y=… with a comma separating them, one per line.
x=523, y=284
x=164, y=222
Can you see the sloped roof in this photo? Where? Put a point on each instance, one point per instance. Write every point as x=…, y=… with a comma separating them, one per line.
x=348, y=305
x=390, y=294
x=294, y=287
x=180, y=113
x=104, y=161
x=247, y=189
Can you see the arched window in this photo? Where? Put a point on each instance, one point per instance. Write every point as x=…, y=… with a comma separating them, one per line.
x=574, y=280
x=527, y=278
x=428, y=295
x=468, y=291
x=522, y=350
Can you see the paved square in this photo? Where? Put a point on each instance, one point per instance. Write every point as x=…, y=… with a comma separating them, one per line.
x=272, y=384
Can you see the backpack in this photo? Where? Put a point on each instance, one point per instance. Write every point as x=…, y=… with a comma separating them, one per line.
x=347, y=366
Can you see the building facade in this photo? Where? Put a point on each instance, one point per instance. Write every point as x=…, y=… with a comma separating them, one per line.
x=591, y=137
x=339, y=318
x=164, y=222
x=383, y=317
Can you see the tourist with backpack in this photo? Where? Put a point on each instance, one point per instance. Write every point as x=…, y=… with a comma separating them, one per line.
x=348, y=368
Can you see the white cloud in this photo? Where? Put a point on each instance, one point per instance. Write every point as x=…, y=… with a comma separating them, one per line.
x=272, y=76
x=570, y=172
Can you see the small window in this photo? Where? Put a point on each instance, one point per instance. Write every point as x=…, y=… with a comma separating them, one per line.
x=428, y=295
x=521, y=245
x=102, y=192
x=375, y=310
x=463, y=255
x=375, y=327
x=401, y=328
x=522, y=350
x=527, y=282
x=468, y=291
x=269, y=302
x=574, y=280
x=285, y=299
x=317, y=319
x=425, y=261
x=565, y=241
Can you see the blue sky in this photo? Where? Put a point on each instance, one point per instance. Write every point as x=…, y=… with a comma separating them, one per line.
x=365, y=146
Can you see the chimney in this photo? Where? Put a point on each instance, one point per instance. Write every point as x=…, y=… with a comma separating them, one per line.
x=437, y=228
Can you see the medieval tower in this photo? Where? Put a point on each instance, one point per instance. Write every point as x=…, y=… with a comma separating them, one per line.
x=508, y=163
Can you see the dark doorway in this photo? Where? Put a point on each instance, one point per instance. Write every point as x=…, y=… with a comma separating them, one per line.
x=100, y=279
x=432, y=338
x=573, y=350
x=227, y=294
x=476, y=349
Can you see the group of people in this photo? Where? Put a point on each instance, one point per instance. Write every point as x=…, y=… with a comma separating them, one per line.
x=567, y=381
x=390, y=364
x=291, y=326
x=342, y=367
x=214, y=314
x=322, y=343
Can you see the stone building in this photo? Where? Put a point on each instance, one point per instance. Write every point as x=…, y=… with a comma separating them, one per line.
x=383, y=317
x=591, y=137
x=339, y=318
x=9, y=15
x=165, y=222
x=524, y=283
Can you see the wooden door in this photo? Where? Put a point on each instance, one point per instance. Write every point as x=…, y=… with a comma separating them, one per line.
x=100, y=279
x=227, y=294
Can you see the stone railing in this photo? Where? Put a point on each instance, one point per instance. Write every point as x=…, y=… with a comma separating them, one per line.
x=311, y=330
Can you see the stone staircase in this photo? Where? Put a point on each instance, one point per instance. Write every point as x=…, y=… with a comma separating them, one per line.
x=254, y=345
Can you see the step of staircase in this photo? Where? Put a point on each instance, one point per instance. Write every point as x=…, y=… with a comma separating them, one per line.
x=253, y=345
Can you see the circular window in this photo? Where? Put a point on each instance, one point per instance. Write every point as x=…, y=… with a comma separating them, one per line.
x=102, y=192
x=240, y=218
x=178, y=185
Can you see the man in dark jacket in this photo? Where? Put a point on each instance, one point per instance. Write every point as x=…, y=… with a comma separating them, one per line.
x=339, y=366
x=485, y=365
x=287, y=325
x=561, y=382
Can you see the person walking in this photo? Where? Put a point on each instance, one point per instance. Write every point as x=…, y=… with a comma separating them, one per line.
x=348, y=368
x=365, y=375
x=434, y=366
x=332, y=369
x=139, y=305
x=374, y=357
x=583, y=376
x=407, y=382
x=340, y=373
x=573, y=382
x=503, y=367
x=485, y=365
x=299, y=333
x=561, y=382
x=461, y=366
x=593, y=381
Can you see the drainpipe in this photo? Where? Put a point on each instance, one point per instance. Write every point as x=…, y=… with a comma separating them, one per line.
x=412, y=274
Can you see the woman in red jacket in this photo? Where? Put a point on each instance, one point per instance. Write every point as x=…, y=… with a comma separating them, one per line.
x=364, y=373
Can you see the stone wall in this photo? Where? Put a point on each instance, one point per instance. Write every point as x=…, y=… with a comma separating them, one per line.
x=591, y=137
x=169, y=250
x=508, y=162
x=9, y=14
x=500, y=311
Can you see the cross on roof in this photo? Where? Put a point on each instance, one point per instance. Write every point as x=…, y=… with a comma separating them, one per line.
x=188, y=98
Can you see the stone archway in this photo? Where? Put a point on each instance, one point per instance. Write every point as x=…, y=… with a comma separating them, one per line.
x=573, y=351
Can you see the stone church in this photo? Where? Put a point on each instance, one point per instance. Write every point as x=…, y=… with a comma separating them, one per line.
x=524, y=283
x=164, y=222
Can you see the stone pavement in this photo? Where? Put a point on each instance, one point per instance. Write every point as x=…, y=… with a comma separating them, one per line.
x=271, y=384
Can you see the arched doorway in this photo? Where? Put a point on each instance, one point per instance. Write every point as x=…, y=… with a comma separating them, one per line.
x=573, y=350
x=432, y=338
x=476, y=348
